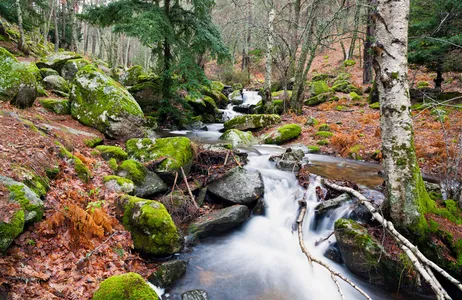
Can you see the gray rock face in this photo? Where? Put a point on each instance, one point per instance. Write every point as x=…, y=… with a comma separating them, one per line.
x=290, y=161
x=333, y=253
x=71, y=67
x=219, y=221
x=151, y=185
x=239, y=186
x=324, y=206
x=57, y=60
x=194, y=295
x=168, y=273
x=56, y=83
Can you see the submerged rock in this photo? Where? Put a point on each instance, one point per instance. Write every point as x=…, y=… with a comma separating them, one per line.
x=168, y=273
x=252, y=122
x=151, y=226
x=129, y=286
x=100, y=102
x=17, y=84
x=194, y=295
x=219, y=221
x=239, y=186
x=326, y=205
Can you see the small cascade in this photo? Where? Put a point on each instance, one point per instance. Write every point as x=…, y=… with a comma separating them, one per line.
x=248, y=98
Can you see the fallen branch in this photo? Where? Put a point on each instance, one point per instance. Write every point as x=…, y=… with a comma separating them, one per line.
x=311, y=259
x=189, y=190
x=173, y=187
x=402, y=241
x=321, y=240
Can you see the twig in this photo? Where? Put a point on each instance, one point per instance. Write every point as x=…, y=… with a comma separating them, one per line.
x=237, y=162
x=396, y=235
x=89, y=254
x=226, y=158
x=321, y=240
x=173, y=187
x=333, y=273
x=189, y=190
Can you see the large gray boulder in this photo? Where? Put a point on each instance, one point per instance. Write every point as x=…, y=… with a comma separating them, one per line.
x=147, y=183
x=238, y=186
x=71, y=67
x=57, y=60
x=100, y=102
x=17, y=83
x=219, y=221
x=56, y=83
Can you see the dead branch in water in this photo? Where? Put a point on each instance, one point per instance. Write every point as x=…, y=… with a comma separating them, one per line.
x=420, y=262
x=322, y=240
x=334, y=275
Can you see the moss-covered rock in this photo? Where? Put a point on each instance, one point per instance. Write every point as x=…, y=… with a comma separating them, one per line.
x=313, y=149
x=318, y=87
x=280, y=95
x=130, y=77
x=100, y=102
x=48, y=72
x=177, y=152
x=324, y=127
x=33, y=69
x=24, y=196
x=349, y=63
x=58, y=106
x=204, y=105
x=82, y=171
x=129, y=286
x=375, y=105
x=237, y=137
x=344, y=86
x=119, y=184
x=217, y=86
x=17, y=84
x=113, y=164
x=56, y=83
x=252, y=122
x=168, y=273
x=147, y=183
x=72, y=66
x=151, y=226
x=364, y=256
x=108, y=152
x=283, y=134
x=318, y=99
x=57, y=60
x=148, y=94
x=92, y=143
x=354, y=96
x=11, y=228
x=217, y=96
x=324, y=134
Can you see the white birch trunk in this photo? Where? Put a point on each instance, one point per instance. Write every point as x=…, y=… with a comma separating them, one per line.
x=22, y=44
x=406, y=195
x=269, y=56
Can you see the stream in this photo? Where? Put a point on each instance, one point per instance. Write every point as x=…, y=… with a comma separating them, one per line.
x=262, y=259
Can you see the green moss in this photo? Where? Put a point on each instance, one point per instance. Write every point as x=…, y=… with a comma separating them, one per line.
x=237, y=137
x=58, y=106
x=314, y=149
x=422, y=84
x=318, y=99
x=10, y=230
x=355, y=150
x=177, y=151
x=217, y=86
x=394, y=75
x=133, y=170
x=319, y=87
x=324, y=134
x=312, y=121
x=354, y=96
x=344, y=86
x=349, y=63
x=52, y=172
x=283, y=134
x=324, y=127
x=82, y=171
x=280, y=94
x=124, y=183
x=113, y=164
x=48, y=72
x=92, y=143
x=152, y=229
x=323, y=142
x=375, y=105
x=18, y=194
x=108, y=152
x=130, y=286
x=237, y=86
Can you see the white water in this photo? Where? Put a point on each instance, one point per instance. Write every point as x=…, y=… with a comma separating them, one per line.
x=263, y=260
x=250, y=98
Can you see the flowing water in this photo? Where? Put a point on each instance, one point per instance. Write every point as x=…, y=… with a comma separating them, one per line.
x=262, y=259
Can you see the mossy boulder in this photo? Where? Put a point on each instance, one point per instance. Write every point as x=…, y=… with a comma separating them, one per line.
x=108, y=152
x=130, y=77
x=177, y=152
x=318, y=87
x=12, y=227
x=283, y=134
x=219, y=221
x=17, y=84
x=21, y=194
x=252, y=122
x=129, y=286
x=58, y=106
x=354, y=96
x=204, y=105
x=32, y=68
x=57, y=60
x=324, y=134
x=72, y=66
x=318, y=99
x=147, y=183
x=168, y=273
x=48, y=72
x=92, y=143
x=365, y=257
x=100, y=102
x=324, y=127
x=56, y=83
x=119, y=184
x=344, y=86
x=375, y=105
x=280, y=95
x=217, y=86
x=151, y=226
x=237, y=137
x=148, y=94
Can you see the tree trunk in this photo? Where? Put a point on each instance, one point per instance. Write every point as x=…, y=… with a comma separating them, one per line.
x=63, y=29
x=22, y=43
x=368, y=57
x=439, y=77
x=55, y=17
x=293, y=31
x=48, y=23
x=127, y=52
x=73, y=24
x=354, y=37
x=269, y=58
x=405, y=191
x=167, y=77
x=245, y=51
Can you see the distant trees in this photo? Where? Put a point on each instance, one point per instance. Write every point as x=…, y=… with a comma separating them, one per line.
x=436, y=36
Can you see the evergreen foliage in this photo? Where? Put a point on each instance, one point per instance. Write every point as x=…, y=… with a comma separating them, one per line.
x=32, y=17
x=435, y=33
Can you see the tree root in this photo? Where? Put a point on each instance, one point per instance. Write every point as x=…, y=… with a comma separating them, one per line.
x=333, y=274
x=422, y=264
